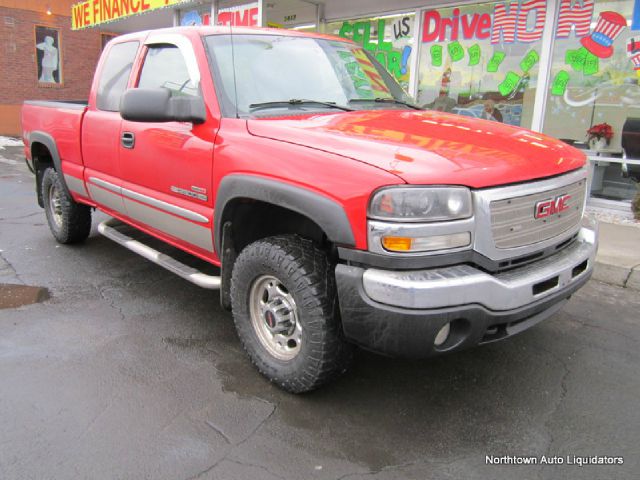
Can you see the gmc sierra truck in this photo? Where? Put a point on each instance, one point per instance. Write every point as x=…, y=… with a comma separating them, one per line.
x=338, y=212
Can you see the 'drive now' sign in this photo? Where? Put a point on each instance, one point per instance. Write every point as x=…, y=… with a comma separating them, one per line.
x=94, y=12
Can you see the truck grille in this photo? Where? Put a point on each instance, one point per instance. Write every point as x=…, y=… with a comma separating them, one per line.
x=514, y=223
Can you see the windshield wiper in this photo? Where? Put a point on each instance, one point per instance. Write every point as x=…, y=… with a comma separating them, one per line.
x=386, y=100
x=298, y=101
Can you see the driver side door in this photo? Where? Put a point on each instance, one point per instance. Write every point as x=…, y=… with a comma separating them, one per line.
x=167, y=167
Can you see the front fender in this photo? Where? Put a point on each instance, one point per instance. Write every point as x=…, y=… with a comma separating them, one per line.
x=328, y=214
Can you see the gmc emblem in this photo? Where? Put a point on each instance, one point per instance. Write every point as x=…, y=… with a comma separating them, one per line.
x=546, y=208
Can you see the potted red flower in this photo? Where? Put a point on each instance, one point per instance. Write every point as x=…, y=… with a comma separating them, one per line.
x=599, y=136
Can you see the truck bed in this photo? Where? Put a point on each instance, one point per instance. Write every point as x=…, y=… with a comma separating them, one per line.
x=73, y=104
x=61, y=120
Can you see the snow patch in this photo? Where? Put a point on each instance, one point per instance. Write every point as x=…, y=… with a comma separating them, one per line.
x=10, y=142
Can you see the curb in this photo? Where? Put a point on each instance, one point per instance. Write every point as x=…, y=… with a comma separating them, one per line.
x=624, y=277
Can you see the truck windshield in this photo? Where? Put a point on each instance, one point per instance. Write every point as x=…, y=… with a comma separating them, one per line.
x=279, y=75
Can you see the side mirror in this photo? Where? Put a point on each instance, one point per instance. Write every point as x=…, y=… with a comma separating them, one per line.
x=157, y=105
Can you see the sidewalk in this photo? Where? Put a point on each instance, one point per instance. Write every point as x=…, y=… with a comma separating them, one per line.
x=618, y=259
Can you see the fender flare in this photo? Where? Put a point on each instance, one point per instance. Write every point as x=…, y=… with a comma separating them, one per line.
x=325, y=212
x=49, y=142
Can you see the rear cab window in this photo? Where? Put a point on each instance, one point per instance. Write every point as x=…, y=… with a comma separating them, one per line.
x=115, y=75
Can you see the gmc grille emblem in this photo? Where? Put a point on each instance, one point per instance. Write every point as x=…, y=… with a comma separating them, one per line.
x=552, y=206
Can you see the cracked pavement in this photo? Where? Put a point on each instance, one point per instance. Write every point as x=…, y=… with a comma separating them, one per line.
x=129, y=372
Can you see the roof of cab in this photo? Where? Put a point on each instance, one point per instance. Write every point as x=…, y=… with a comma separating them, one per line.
x=226, y=30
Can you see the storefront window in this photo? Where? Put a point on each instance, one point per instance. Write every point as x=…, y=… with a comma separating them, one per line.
x=389, y=39
x=482, y=60
x=594, y=80
x=298, y=14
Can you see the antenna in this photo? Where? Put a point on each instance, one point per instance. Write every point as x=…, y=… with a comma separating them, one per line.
x=233, y=65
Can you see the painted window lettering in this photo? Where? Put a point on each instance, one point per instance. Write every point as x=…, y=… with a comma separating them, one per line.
x=507, y=23
x=388, y=39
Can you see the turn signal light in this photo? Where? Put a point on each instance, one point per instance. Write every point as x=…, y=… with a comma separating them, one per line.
x=426, y=244
x=397, y=244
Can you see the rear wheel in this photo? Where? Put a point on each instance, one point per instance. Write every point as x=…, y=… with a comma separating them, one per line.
x=69, y=222
x=285, y=311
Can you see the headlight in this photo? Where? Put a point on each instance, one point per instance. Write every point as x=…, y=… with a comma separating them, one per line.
x=421, y=204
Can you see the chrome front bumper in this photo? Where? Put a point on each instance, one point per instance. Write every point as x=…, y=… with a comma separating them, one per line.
x=466, y=285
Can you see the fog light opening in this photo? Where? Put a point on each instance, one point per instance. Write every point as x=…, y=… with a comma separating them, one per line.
x=443, y=335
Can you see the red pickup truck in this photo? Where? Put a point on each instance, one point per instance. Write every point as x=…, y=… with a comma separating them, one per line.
x=338, y=211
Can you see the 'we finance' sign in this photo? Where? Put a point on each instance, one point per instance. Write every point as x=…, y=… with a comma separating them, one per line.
x=94, y=12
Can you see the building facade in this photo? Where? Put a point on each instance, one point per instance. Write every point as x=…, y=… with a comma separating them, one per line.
x=42, y=57
x=559, y=67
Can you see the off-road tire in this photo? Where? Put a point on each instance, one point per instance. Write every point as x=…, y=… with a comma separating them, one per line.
x=308, y=276
x=69, y=222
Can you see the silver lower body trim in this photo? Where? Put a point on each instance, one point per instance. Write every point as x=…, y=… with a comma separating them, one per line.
x=195, y=234
x=128, y=203
x=167, y=207
x=76, y=185
x=106, y=198
x=464, y=284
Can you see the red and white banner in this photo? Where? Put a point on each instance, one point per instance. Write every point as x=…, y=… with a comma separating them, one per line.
x=247, y=15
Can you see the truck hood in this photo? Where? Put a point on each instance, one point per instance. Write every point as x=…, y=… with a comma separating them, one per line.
x=423, y=147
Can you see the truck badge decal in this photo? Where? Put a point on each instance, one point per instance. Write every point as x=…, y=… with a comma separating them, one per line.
x=189, y=193
x=552, y=206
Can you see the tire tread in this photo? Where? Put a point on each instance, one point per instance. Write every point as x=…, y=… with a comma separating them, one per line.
x=309, y=271
x=76, y=218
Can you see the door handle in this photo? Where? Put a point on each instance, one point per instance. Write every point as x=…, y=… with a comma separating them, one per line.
x=128, y=139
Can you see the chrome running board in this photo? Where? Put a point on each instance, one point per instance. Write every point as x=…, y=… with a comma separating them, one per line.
x=107, y=228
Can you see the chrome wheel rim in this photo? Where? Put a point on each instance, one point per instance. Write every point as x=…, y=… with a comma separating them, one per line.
x=55, y=205
x=274, y=317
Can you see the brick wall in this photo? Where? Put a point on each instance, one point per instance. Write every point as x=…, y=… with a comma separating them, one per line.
x=79, y=54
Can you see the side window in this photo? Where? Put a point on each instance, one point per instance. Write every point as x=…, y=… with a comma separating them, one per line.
x=115, y=75
x=164, y=67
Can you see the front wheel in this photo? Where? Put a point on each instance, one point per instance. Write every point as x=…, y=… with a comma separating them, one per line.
x=69, y=222
x=285, y=311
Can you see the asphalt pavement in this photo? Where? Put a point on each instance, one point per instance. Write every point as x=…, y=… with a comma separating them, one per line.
x=124, y=371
